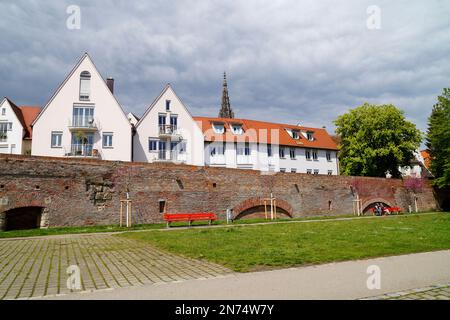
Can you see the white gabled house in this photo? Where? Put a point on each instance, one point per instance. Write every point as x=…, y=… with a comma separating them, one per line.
x=83, y=119
x=15, y=130
x=168, y=132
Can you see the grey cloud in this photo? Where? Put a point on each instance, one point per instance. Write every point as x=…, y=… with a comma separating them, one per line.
x=287, y=61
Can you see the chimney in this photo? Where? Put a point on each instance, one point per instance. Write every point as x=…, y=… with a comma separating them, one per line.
x=110, y=84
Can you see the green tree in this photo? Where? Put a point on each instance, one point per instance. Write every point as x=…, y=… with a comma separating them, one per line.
x=438, y=140
x=375, y=140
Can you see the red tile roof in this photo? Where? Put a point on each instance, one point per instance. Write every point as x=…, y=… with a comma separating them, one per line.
x=426, y=158
x=265, y=132
x=29, y=113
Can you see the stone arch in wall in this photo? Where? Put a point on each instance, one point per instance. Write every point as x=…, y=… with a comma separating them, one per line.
x=254, y=208
x=21, y=218
x=369, y=204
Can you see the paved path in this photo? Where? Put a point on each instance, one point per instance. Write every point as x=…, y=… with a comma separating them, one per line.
x=37, y=267
x=435, y=292
x=344, y=280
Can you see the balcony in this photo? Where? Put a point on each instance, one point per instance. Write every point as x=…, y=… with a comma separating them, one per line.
x=171, y=156
x=168, y=131
x=83, y=151
x=83, y=124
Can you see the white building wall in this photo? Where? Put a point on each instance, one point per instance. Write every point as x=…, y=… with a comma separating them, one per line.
x=108, y=116
x=187, y=130
x=259, y=160
x=13, y=143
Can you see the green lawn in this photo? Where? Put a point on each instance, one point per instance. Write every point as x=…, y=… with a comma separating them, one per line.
x=257, y=247
x=116, y=228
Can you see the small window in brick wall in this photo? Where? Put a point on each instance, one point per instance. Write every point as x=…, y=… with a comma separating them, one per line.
x=330, y=207
x=162, y=206
x=180, y=184
x=297, y=188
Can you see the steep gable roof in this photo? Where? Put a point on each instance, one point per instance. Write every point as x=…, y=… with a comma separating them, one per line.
x=17, y=112
x=260, y=132
x=166, y=88
x=83, y=57
x=29, y=113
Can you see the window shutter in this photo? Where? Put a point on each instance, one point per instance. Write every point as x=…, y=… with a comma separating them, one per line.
x=84, y=87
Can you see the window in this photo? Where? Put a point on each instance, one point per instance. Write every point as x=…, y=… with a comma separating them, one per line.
x=292, y=153
x=167, y=105
x=330, y=172
x=218, y=149
x=328, y=156
x=108, y=140
x=293, y=170
x=3, y=131
x=3, y=111
x=247, y=149
x=314, y=155
x=162, y=206
x=308, y=171
x=56, y=139
x=83, y=117
x=282, y=169
x=295, y=134
x=152, y=144
x=308, y=154
x=182, y=146
x=162, y=119
x=309, y=136
x=218, y=128
x=316, y=171
x=85, y=85
x=269, y=150
x=162, y=123
x=236, y=129
x=174, y=121
x=281, y=152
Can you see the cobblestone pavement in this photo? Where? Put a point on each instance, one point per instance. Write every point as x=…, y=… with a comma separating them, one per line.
x=38, y=267
x=436, y=292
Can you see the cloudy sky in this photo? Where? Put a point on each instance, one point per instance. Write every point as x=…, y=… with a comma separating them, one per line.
x=287, y=61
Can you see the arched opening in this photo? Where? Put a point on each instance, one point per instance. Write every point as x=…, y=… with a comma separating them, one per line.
x=23, y=218
x=368, y=208
x=257, y=212
x=446, y=205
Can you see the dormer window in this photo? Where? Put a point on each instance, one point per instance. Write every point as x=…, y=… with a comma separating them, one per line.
x=218, y=128
x=237, y=129
x=295, y=134
x=309, y=135
x=85, y=85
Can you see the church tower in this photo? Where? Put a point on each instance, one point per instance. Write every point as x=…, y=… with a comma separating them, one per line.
x=225, y=110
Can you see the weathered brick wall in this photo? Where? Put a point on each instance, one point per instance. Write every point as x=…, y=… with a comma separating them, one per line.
x=85, y=192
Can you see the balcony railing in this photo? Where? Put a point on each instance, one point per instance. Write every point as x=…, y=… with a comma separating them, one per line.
x=83, y=150
x=167, y=129
x=83, y=123
x=165, y=155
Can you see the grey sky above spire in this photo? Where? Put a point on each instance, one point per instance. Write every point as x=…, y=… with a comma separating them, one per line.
x=291, y=61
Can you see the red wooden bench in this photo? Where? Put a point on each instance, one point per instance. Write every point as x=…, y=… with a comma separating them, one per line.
x=197, y=216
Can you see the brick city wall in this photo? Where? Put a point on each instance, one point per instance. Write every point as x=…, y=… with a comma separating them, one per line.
x=75, y=192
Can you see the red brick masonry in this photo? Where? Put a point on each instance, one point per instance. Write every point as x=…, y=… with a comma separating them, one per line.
x=86, y=192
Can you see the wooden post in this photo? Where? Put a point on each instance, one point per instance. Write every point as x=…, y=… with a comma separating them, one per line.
x=271, y=206
x=275, y=207
x=265, y=208
x=121, y=213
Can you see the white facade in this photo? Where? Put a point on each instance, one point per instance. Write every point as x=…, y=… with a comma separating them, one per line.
x=167, y=132
x=11, y=130
x=257, y=157
x=83, y=119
